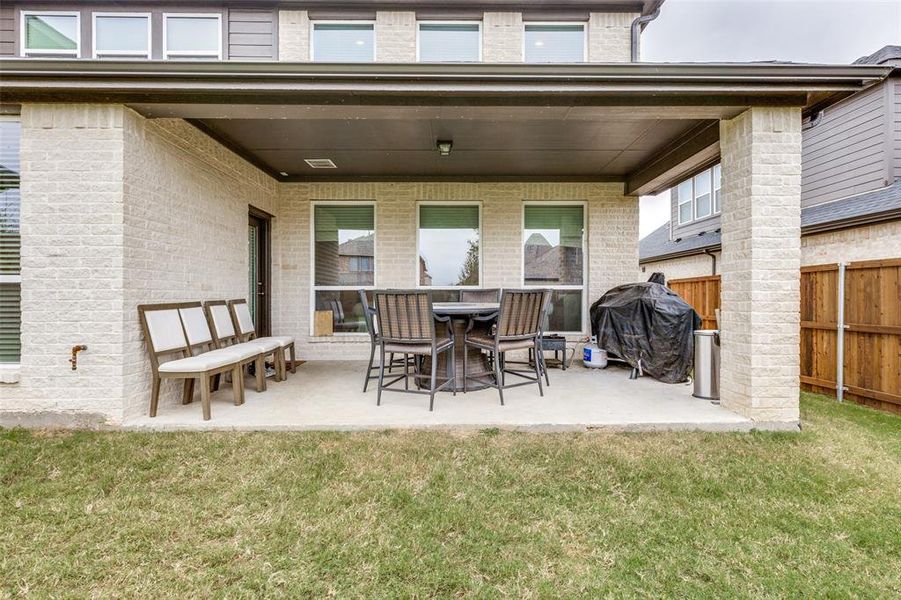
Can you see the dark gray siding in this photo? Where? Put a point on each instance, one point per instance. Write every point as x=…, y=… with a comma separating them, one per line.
x=252, y=34
x=895, y=103
x=845, y=153
x=7, y=30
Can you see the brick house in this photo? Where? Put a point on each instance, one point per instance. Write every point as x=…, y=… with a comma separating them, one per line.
x=149, y=142
x=850, y=188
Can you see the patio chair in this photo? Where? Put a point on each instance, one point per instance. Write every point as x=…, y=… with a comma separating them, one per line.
x=218, y=318
x=243, y=322
x=485, y=295
x=167, y=334
x=407, y=326
x=372, y=329
x=518, y=328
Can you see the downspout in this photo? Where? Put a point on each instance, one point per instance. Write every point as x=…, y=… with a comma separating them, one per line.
x=636, y=31
x=712, y=256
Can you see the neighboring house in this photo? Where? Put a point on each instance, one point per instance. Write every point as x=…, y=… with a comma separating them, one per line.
x=146, y=137
x=850, y=188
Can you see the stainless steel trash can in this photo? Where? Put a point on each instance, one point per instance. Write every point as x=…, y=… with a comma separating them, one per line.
x=707, y=364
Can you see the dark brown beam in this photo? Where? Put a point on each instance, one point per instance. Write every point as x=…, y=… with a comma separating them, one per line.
x=689, y=153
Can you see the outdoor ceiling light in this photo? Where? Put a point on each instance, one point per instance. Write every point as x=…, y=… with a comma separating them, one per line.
x=445, y=147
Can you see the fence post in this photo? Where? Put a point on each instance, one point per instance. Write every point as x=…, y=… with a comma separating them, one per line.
x=840, y=336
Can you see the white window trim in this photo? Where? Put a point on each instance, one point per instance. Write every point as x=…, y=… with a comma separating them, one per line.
x=53, y=13
x=125, y=53
x=713, y=181
x=582, y=24
x=694, y=195
x=340, y=288
x=313, y=25
x=522, y=266
x=167, y=54
x=690, y=201
x=481, y=283
x=427, y=22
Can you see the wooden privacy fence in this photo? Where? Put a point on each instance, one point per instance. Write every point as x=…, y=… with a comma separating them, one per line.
x=862, y=323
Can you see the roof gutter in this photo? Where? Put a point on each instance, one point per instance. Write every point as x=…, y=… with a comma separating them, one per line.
x=637, y=26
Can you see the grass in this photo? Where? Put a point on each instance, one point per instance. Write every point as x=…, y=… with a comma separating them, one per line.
x=426, y=514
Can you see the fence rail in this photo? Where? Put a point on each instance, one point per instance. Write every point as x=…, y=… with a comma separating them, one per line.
x=869, y=330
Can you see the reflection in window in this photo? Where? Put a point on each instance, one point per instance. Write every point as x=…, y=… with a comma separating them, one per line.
x=122, y=35
x=449, y=42
x=343, y=42
x=344, y=261
x=449, y=253
x=55, y=34
x=553, y=258
x=554, y=43
x=10, y=272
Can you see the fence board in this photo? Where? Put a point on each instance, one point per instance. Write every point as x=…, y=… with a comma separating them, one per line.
x=872, y=361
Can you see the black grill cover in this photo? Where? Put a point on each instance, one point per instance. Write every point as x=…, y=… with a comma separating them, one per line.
x=650, y=322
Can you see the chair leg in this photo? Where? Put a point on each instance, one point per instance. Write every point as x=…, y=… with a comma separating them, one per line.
x=538, y=371
x=238, y=384
x=378, y=398
x=432, y=381
x=547, y=378
x=154, y=395
x=465, y=367
x=406, y=372
x=453, y=368
x=369, y=367
x=293, y=352
x=390, y=362
x=260, y=368
x=205, y=396
x=497, y=377
x=188, y=395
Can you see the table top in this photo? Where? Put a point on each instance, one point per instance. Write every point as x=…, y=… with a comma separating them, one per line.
x=465, y=308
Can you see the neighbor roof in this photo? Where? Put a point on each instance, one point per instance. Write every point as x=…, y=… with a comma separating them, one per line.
x=871, y=207
x=883, y=56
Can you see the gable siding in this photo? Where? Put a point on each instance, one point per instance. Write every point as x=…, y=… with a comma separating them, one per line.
x=845, y=153
x=7, y=31
x=896, y=125
x=252, y=35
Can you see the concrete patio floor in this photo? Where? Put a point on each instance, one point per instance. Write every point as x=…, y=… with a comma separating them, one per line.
x=325, y=395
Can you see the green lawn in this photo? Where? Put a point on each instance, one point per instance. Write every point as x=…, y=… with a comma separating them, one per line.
x=426, y=514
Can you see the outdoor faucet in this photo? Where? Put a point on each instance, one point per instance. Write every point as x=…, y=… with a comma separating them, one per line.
x=74, y=360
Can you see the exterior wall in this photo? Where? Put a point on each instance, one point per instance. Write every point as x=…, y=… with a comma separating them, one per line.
x=395, y=37
x=845, y=154
x=882, y=240
x=502, y=37
x=7, y=31
x=612, y=241
x=893, y=99
x=696, y=265
x=252, y=34
x=610, y=37
x=293, y=36
x=761, y=152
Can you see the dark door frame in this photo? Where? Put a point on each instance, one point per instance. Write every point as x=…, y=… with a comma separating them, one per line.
x=263, y=222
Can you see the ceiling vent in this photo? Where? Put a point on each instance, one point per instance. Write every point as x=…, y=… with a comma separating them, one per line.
x=320, y=163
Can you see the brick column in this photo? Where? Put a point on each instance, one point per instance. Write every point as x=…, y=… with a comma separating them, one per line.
x=761, y=162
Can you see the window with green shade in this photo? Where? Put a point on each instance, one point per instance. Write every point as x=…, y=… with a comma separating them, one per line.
x=10, y=272
x=343, y=42
x=554, y=43
x=343, y=261
x=449, y=245
x=50, y=33
x=553, y=257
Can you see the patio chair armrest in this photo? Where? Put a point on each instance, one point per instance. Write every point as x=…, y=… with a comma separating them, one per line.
x=480, y=318
x=446, y=319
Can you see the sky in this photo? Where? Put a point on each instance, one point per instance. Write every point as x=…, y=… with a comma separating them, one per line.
x=812, y=31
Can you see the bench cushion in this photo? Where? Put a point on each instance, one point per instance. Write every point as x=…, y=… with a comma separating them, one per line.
x=202, y=362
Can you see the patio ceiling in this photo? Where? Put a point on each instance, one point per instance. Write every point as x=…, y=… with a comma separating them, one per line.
x=646, y=124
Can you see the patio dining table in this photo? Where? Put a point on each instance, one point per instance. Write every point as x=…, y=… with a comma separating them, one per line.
x=477, y=363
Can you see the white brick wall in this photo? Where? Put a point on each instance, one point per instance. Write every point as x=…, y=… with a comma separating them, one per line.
x=612, y=240
x=395, y=37
x=761, y=158
x=293, y=36
x=610, y=37
x=502, y=34
x=697, y=265
x=872, y=242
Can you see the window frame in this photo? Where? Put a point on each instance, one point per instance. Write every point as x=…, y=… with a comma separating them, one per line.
x=4, y=278
x=714, y=209
x=23, y=33
x=313, y=25
x=690, y=201
x=97, y=54
x=441, y=22
x=694, y=194
x=582, y=24
x=340, y=288
x=716, y=202
x=481, y=283
x=176, y=54
x=569, y=287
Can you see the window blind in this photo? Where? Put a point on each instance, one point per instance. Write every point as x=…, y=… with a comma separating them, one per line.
x=343, y=42
x=10, y=274
x=449, y=217
x=448, y=42
x=568, y=220
x=555, y=43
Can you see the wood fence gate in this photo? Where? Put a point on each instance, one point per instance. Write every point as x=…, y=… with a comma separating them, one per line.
x=865, y=327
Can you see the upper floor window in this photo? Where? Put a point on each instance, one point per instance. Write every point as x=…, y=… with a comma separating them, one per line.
x=703, y=204
x=121, y=35
x=50, y=33
x=717, y=186
x=192, y=36
x=343, y=42
x=698, y=197
x=450, y=42
x=554, y=43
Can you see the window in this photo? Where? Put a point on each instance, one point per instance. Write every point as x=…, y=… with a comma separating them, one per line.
x=553, y=257
x=343, y=261
x=684, y=201
x=554, y=43
x=343, y=42
x=717, y=186
x=450, y=42
x=703, y=200
x=121, y=35
x=10, y=274
x=50, y=33
x=448, y=242
x=192, y=36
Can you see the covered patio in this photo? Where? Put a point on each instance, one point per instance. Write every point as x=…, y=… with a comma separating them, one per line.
x=161, y=162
